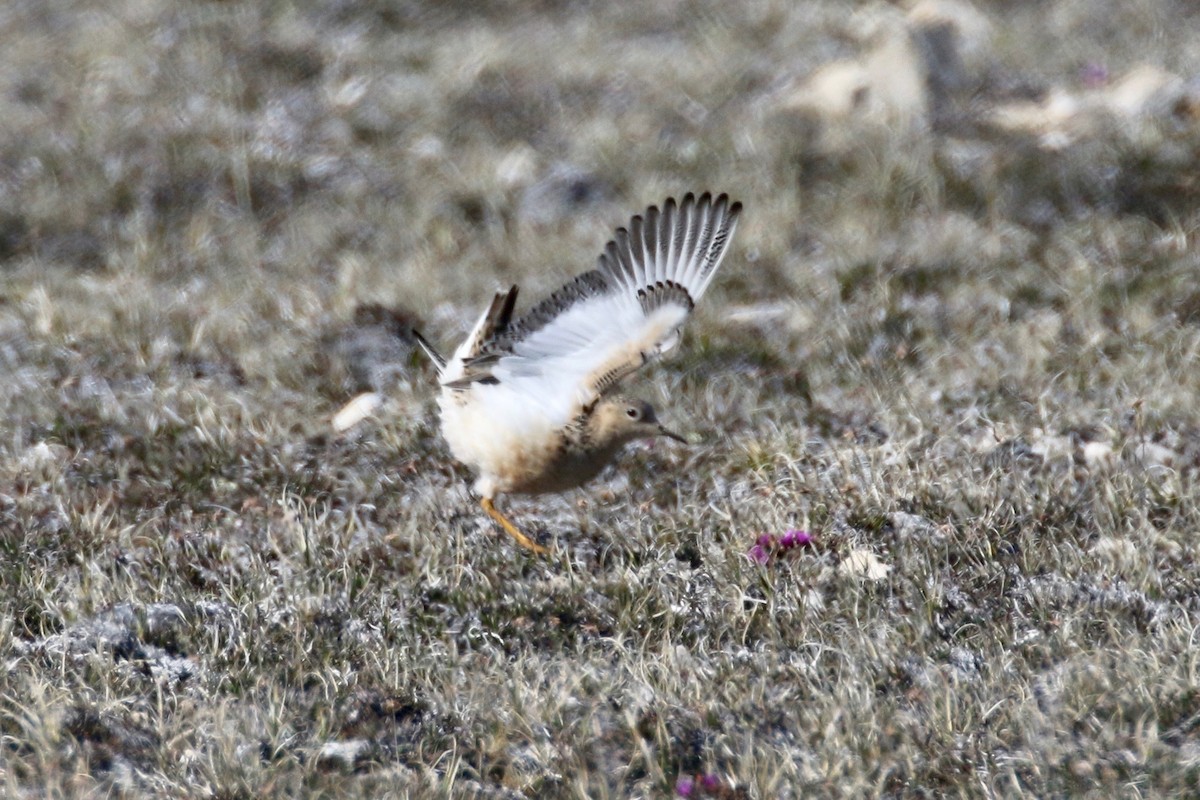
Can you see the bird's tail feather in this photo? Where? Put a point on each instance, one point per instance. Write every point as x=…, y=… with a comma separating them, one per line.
x=433, y=354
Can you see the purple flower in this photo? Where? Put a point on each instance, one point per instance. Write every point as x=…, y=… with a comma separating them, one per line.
x=767, y=544
x=1093, y=75
x=710, y=782
x=795, y=539
x=684, y=787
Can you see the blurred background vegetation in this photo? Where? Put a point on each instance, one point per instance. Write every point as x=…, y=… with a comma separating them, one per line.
x=955, y=340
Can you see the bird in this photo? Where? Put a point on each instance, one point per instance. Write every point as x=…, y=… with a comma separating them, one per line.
x=533, y=403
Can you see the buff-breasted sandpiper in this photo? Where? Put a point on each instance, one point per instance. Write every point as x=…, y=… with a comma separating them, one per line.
x=530, y=404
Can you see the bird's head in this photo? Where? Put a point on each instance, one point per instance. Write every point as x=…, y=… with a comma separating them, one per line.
x=620, y=419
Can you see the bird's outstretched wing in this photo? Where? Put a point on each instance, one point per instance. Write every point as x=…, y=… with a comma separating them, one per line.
x=585, y=338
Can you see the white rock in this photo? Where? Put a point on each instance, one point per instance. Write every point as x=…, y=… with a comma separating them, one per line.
x=1098, y=455
x=885, y=85
x=1152, y=454
x=1145, y=90
x=341, y=754
x=863, y=564
x=518, y=167
x=1064, y=117
x=42, y=455
x=1050, y=447
x=357, y=410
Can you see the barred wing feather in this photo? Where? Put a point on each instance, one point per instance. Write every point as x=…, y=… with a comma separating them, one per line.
x=585, y=338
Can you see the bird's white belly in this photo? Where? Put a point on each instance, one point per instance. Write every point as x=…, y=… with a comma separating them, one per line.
x=509, y=444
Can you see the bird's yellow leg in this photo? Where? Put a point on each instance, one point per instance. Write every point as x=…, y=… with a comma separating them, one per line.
x=511, y=529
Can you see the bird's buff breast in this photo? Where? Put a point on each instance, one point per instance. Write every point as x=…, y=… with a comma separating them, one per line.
x=564, y=471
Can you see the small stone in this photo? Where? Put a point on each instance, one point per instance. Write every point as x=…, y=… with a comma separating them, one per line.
x=42, y=456
x=358, y=409
x=333, y=755
x=864, y=564
x=1152, y=454
x=1098, y=455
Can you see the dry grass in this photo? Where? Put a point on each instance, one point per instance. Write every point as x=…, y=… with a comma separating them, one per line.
x=969, y=363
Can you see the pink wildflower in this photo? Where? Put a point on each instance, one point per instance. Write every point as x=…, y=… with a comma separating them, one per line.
x=767, y=545
x=795, y=539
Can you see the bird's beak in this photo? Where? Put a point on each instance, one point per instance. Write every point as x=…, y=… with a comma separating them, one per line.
x=670, y=434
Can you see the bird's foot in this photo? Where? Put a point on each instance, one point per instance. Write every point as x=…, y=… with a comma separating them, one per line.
x=511, y=529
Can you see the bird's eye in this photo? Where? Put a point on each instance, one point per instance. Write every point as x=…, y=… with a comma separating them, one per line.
x=632, y=412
